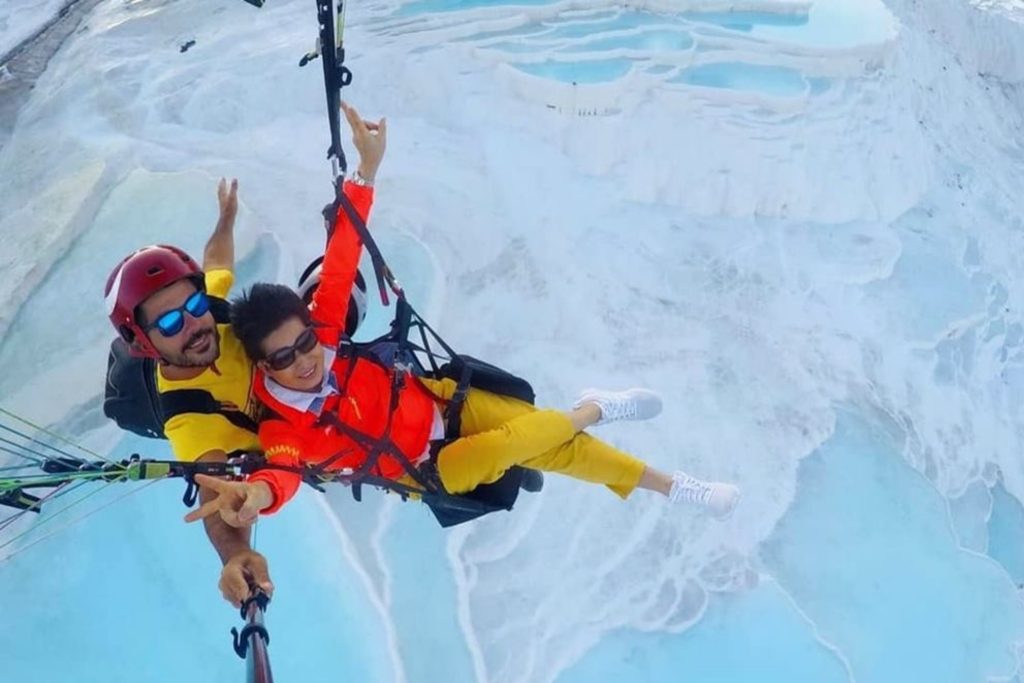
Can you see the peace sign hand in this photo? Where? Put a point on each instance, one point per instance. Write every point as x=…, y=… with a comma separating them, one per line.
x=238, y=502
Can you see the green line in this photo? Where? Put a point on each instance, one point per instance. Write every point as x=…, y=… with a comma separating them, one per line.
x=11, y=483
x=133, y=471
x=60, y=492
x=69, y=524
x=36, y=506
x=42, y=519
x=24, y=450
x=20, y=454
x=55, y=435
x=12, y=468
x=12, y=430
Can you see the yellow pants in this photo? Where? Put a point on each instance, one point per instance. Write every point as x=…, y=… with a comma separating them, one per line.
x=499, y=432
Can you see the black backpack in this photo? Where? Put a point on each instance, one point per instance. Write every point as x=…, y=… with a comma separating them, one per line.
x=132, y=401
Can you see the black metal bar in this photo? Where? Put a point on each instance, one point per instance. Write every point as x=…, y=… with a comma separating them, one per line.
x=130, y=469
x=251, y=643
x=335, y=77
x=20, y=500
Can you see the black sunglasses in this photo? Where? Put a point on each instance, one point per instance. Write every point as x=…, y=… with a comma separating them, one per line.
x=283, y=357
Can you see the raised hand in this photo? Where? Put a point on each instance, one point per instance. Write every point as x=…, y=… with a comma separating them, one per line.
x=370, y=140
x=227, y=198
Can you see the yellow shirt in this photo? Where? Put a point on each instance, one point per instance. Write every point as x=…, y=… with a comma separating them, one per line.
x=229, y=380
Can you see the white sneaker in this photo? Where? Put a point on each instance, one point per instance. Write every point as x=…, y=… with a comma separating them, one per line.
x=631, y=404
x=718, y=498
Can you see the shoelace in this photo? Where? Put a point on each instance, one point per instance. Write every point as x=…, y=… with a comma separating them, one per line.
x=685, y=487
x=617, y=409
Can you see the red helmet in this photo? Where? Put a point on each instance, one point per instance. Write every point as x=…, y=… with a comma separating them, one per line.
x=135, y=279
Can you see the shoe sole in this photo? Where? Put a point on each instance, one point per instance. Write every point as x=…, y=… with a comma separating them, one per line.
x=732, y=511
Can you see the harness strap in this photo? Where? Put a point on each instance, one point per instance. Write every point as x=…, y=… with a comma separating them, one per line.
x=182, y=401
x=375, y=446
x=453, y=411
x=385, y=278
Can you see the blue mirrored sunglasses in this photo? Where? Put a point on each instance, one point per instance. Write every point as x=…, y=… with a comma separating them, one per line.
x=170, y=323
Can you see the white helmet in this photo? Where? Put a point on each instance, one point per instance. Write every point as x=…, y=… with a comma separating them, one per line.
x=310, y=280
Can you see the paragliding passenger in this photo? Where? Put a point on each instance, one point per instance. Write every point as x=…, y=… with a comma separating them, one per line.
x=331, y=407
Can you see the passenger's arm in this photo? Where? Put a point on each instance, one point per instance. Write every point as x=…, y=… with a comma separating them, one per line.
x=237, y=503
x=282, y=446
x=341, y=260
x=220, y=248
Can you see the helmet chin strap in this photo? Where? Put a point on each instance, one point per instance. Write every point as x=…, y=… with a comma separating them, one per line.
x=144, y=349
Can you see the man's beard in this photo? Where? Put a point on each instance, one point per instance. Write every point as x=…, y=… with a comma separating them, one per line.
x=193, y=359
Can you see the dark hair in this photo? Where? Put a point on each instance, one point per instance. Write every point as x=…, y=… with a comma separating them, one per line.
x=261, y=310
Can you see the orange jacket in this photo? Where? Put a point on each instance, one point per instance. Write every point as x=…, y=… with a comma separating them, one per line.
x=363, y=399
